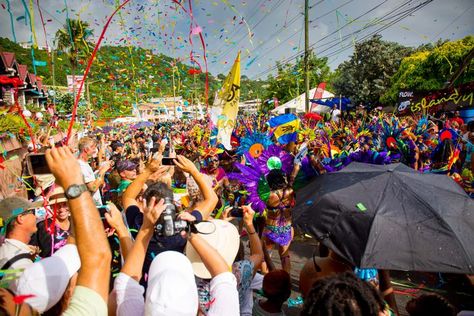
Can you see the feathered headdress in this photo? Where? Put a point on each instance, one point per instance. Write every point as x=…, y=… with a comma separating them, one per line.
x=254, y=143
x=253, y=174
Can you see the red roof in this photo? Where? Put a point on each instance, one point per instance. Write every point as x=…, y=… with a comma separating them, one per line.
x=8, y=59
x=32, y=78
x=39, y=83
x=22, y=71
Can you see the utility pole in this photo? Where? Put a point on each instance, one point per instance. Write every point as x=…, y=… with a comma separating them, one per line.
x=174, y=95
x=306, y=55
x=54, y=78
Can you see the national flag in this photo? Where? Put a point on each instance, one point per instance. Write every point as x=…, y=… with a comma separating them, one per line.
x=286, y=127
x=226, y=105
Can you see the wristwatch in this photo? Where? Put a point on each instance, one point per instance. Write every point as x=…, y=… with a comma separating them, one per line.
x=75, y=190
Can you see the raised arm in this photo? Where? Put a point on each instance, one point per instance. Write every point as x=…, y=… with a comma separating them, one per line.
x=256, y=251
x=211, y=258
x=130, y=195
x=210, y=200
x=92, y=244
x=115, y=220
x=134, y=260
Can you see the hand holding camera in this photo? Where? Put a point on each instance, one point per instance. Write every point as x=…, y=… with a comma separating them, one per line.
x=186, y=165
x=169, y=224
x=152, y=212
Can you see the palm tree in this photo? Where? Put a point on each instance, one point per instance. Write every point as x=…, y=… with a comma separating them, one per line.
x=72, y=40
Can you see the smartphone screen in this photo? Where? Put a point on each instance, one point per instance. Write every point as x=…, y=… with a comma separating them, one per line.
x=38, y=164
x=167, y=161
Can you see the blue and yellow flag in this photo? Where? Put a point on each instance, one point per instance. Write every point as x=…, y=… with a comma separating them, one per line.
x=286, y=128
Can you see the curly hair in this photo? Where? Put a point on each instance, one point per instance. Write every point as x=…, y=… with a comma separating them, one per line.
x=430, y=304
x=342, y=295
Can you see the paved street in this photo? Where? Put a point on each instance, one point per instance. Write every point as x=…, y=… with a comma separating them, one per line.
x=302, y=249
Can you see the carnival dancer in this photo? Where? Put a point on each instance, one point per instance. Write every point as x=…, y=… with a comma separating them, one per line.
x=278, y=229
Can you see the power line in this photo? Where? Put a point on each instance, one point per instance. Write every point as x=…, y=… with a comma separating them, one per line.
x=295, y=18
x=336, y=31
x=401, y=15
x=276, y=5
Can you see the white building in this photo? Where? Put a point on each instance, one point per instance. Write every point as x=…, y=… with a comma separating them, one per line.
x=249, y=106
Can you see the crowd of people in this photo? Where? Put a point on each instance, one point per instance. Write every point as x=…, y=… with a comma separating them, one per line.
x=163, y=220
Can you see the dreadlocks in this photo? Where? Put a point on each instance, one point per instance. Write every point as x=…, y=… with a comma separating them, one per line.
x=340, y=295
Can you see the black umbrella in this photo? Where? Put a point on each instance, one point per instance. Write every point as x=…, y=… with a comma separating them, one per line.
x=390, y=217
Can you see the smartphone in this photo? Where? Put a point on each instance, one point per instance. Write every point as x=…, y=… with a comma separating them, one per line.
x=167, y=161
x=102, y=210
x=36, y=164
x=237, y=212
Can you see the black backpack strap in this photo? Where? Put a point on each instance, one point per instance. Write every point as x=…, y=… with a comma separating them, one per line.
x=16, y=258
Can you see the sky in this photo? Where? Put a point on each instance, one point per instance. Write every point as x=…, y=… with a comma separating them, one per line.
x=265, y=31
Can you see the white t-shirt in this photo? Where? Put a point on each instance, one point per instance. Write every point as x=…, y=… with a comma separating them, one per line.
x=336, y=114
x=89, y=176
x=9, y=249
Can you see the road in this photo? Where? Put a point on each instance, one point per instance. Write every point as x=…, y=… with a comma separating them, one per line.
x=454, y=287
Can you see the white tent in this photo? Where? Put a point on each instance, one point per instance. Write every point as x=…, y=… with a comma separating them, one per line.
x=298, y=103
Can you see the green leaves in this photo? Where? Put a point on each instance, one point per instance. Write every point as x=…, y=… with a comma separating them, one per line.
x=366, y=76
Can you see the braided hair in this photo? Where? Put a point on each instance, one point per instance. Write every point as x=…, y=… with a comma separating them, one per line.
x=342, y=295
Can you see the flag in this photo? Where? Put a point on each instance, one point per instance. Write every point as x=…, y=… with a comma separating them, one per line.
x=275, y=101
x=286, y=127
x=228, y=105
x=318, y=94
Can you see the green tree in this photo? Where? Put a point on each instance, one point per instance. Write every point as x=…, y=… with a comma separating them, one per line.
x=64, y=102
x=72, y=40
x=289, y=81
x=366, y=75
x=431, y=68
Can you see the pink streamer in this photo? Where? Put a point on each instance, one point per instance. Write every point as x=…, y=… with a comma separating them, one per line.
x=89, y=64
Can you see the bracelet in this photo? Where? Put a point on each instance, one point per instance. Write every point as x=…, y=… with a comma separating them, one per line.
x=251, y=233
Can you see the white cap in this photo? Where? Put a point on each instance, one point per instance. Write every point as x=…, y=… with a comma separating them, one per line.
x=48, y=279
x=171, y=286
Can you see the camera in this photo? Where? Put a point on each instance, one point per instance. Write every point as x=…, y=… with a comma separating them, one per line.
x=167, y=224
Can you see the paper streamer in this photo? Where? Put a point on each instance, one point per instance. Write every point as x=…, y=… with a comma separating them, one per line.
x=86, y=72
x=32, y=23
x=190, y=13
x=11, y=20
x=237, y=12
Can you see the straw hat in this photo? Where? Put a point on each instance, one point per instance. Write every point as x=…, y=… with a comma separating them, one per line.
x=224, y=238
x=57, y=196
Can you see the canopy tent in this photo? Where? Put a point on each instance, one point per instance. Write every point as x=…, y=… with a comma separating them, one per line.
x=342, y=103
x=299, y=102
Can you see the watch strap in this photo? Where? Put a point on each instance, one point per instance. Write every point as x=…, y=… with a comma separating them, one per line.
x=82, y=188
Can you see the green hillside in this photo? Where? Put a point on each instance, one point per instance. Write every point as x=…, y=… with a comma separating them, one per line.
x=121, y=76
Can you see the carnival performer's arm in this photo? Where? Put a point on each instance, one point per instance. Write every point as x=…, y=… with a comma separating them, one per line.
x=210, y=200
